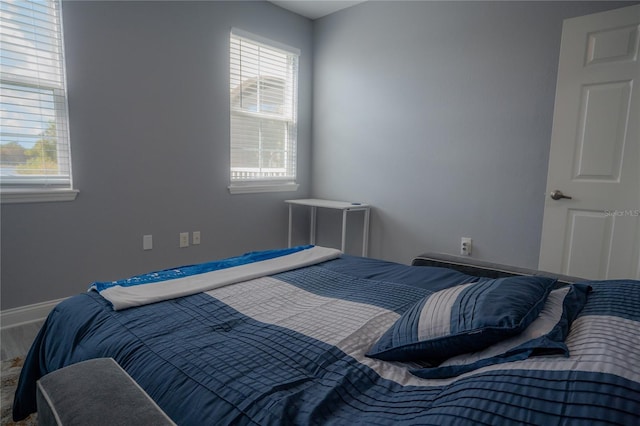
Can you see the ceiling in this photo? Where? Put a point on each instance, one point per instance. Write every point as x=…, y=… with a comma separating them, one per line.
x=314, y=9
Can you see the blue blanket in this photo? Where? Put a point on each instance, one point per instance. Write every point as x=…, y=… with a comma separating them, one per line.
x=200, y=268
x=288, y=349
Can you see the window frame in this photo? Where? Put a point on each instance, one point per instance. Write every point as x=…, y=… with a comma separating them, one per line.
x=45, y=187
x=285, y=183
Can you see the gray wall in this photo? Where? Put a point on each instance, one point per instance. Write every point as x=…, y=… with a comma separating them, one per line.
x=439, y=114
x=148, y=104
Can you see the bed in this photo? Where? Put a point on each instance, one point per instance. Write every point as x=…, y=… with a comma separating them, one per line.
x=329, y=341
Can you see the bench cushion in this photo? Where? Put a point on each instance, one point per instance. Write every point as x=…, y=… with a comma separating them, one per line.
x=95, y=392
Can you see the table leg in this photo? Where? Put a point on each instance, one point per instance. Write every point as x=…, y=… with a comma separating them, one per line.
x=290, y=220
x=365, y=234
x=344, y=230
x=312, y=232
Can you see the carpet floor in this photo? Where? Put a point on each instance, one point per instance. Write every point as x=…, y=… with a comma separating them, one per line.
x=10, y=373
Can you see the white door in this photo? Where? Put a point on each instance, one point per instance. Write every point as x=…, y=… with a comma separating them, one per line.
x=595, y=150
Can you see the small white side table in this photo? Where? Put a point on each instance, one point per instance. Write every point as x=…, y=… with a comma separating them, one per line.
x=346, y=207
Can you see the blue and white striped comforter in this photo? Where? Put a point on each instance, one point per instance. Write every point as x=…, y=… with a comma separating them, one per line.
x=289, y=349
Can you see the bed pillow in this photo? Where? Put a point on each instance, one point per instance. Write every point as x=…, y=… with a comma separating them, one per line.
x=544, y=336
x=464, y=318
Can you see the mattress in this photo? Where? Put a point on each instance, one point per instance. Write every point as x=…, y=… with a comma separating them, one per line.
x=291, y=348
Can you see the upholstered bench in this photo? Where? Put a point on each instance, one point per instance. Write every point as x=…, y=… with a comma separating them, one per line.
x=483, y=268
x=95, y=392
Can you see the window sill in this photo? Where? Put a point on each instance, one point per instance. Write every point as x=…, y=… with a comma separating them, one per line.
x=37, y=196
x=254, y=188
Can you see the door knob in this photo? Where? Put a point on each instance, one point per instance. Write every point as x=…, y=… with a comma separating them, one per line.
x=558, y=195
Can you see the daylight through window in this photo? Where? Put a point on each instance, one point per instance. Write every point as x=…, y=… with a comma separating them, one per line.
x=263, y=91
x=34, y=136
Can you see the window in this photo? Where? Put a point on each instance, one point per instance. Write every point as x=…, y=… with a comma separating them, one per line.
x=35, y=161
x=263, y=89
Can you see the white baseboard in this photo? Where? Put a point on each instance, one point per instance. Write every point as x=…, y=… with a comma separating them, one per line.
x=26, y=314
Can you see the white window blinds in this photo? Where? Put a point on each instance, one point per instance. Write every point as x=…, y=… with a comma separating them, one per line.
x=263, y=89
x=34, y=135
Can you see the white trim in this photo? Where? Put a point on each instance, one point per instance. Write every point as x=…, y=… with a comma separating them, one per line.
x=254, y=187
x=38, y=196
x=27, y=314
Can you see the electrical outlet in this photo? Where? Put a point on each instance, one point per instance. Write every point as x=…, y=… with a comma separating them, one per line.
x=184, y=239
x=195, y=238
x=465, y=246
x=147, y=242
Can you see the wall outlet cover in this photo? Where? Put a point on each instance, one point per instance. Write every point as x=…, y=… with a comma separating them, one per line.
x=184, y=239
